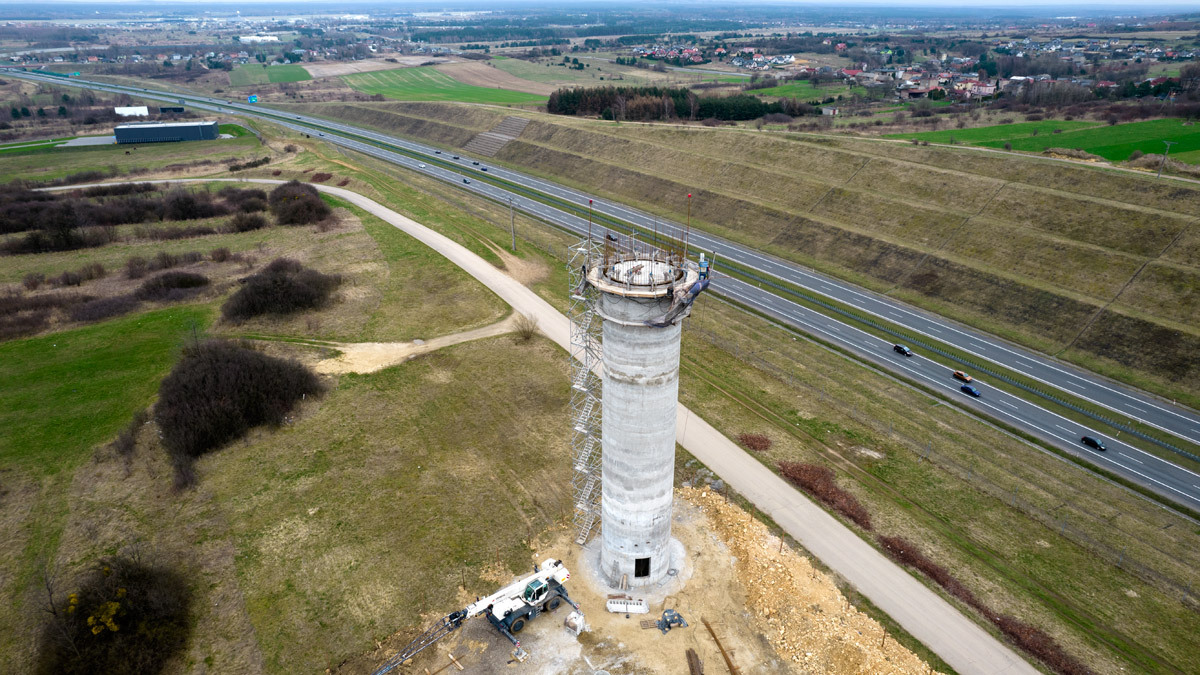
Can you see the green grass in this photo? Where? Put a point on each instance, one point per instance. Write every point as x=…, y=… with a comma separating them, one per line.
x=998, y=133
x=235, y=130
x=65, y=392
x=288, y=73
x=427, y=84
x=801, y=89
x=1114, y=142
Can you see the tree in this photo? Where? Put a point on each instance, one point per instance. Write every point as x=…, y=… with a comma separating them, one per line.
x=16, y=114
x=62, y=111
x=167, y=63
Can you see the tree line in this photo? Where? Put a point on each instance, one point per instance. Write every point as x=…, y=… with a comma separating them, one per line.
x=644, y=104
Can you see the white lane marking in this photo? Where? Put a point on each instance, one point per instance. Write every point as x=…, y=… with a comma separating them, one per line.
x=1008, y=404
x=1064, y=428
x=1131, y=457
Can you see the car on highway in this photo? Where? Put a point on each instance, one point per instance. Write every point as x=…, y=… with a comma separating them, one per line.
x=467, y=180
x=483, y=168
x=437, y=152
x=968, y=389
x=421, y=165
x=1094, y=443
x=960, y=375
x=901, y=349
x=475, y=163
x=320, y=133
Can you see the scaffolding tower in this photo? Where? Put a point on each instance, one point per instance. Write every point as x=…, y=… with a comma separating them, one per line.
x=585, y=389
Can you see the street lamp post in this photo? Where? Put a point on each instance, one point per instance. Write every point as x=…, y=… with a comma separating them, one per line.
x=512, y=224
x=1164, y=159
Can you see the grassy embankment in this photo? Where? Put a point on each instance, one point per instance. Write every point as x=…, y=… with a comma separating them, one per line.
x=1073, y=261
x=48, y=163
x=427, y=84
x=1115, y=142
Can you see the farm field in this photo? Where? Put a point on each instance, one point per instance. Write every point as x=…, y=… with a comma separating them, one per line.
x=1113, y=142
x=427, y=84
x=252, y=74
x=802, y=89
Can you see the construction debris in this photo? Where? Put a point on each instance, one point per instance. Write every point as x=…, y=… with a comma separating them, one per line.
x=575, y=623
x=670, y=619
x=627, y=606
x=725, y=654
x=695, y=666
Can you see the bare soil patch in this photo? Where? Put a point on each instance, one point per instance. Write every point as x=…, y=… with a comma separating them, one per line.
x=368, y=357
x=774, y=610
x=479, y=74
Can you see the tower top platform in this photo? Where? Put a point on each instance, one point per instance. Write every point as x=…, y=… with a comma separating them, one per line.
x=641, y=276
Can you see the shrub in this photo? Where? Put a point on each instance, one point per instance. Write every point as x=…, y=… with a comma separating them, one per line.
x=295, y=203
x=220, y=254
x=1136, y=154
x=219, y=390
x=102, y=308
x=171, y=286
x=245, y=222
x=180, y=204
x=1034, y=118
x=126, y=441
x=20, y=325
x=819, y=482
x=1008, y=146
x=290, y=148
x=92, y=271
x=173, y=233
x=125, y=617
x=906, y=553
x=136, y=267
x=67, y=279
x=526, y=327
x=283, y=287
x=756, y=442
x=252, y=205
x=32, y=280
x=321, y=177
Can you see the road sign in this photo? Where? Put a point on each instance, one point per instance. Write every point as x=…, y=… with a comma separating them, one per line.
x=252, y=99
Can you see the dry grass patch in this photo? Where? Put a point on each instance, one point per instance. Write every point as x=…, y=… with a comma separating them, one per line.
x=346, y=520
x=1175, y=289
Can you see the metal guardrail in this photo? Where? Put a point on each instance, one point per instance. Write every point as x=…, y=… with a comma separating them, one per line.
x=974, y=366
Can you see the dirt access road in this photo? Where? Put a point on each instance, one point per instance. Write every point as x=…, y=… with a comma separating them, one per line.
x=957, y=639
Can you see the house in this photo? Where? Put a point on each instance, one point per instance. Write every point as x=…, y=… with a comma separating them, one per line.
x=829, y=111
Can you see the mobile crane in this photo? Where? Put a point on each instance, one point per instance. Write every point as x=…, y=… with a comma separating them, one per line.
x=508, y=609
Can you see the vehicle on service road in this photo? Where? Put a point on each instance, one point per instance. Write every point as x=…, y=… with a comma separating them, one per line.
x=968, y=389
x=901, y=349
x=960, y=375
x=1094, y=443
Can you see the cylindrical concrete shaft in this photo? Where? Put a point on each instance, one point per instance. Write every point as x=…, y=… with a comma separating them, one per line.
x=641, y=388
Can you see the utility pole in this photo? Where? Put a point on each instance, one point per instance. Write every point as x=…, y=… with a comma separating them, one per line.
x=1164, y=159
x=512, y=224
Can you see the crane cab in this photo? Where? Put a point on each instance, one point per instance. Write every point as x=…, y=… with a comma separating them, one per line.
x=535, y=591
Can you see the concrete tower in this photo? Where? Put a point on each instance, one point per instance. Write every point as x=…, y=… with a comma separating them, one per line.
x=642, y=297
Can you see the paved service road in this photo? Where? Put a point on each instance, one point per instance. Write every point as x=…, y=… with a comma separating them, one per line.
x=1165, y=478
x=958, y=640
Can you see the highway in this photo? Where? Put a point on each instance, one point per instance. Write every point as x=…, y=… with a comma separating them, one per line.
x=1165, y=478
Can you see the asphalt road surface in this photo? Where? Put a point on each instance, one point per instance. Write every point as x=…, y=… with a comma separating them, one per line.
x=1163, y=477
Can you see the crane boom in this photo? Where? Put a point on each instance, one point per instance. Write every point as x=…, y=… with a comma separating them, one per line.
x=512, y=598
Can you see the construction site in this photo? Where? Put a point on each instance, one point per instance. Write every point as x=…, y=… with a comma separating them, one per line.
x=647, y=577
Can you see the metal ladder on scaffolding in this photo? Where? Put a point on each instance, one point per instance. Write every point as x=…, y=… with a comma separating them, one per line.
x=585, y=390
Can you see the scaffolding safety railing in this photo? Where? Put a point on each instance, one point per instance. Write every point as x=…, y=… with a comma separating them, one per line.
x=585, y=356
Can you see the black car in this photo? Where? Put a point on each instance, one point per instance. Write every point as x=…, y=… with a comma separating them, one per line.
x=968, y=389
x=467, y=180
x=475, y=163
x=456, y=157
x=901, y=349
x=1094, y=443
x=437, y=152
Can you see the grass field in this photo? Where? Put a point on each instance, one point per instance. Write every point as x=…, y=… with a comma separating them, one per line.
x=803, y=90
x=252, y=74
x=427, y=84
x=1114, y=142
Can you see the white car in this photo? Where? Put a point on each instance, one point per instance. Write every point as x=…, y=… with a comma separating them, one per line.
x=421, y=165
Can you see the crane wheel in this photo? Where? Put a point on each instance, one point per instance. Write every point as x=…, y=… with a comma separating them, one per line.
x=517, y=625
x=552, y=604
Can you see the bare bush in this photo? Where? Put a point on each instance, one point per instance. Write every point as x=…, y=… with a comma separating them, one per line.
x=126, y=441
x=102, y=308
x=246, y=222
x=756, y=442
x=220, y=254
x=819, y=481
x=33, y=280
x=282, y=287
x=171, y=286
x=219, y=390
x=136, y=267
x=525, y=327
x=296, y=203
